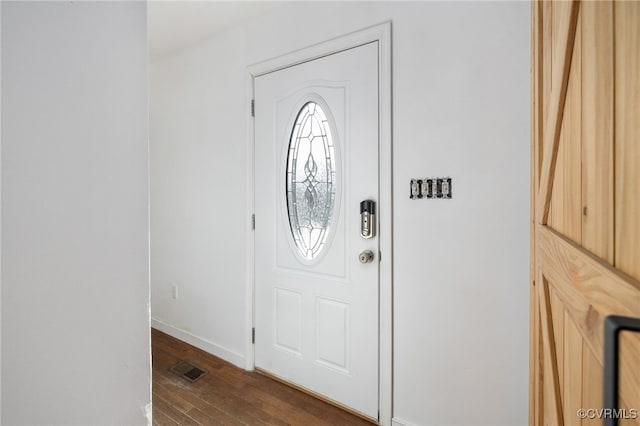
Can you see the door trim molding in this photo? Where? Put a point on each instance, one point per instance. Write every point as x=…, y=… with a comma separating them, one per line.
x=382, y=34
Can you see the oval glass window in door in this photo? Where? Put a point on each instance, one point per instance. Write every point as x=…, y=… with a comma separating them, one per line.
x=311, y=176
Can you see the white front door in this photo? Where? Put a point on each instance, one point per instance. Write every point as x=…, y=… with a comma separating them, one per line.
x=316, y=160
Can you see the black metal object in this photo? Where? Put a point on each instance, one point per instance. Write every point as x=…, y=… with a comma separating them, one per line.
x=368, y=206
x=188, y=371
x=613, y=325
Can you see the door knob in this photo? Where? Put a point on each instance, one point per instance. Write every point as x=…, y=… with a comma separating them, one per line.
x=366, y=256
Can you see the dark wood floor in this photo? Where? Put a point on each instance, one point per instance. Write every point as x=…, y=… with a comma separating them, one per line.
x=228, y=395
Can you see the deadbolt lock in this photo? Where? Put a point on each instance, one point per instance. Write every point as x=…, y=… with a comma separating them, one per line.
x=366, y=256
x=368, y=219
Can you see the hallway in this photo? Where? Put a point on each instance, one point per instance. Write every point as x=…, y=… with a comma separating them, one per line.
x=228, y=395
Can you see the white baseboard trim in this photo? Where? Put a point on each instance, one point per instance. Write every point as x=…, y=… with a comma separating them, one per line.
x=399, y=422
x=200, y=343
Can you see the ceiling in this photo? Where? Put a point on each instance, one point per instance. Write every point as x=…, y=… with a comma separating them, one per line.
x=175, y=24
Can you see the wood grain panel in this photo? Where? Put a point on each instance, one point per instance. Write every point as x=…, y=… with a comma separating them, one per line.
x=537, y=360
x=566, y=26
x=565, y=214
x=590, y=290
x=597, y=128
x=585, y=184
x=627, y=133
x=556, y=203
x=546, y=65
x=628, y=417
x=571, y=163
x=557, y=314
x=572, y=396
x=537, y=98
x=535, y=372
x=552, y=395
x=560, y=12
x=588, y=287
x=591, y=384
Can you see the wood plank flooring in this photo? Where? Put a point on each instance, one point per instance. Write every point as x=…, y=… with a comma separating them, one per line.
x=228, y=395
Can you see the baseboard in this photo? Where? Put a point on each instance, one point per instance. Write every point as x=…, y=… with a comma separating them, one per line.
x=200, y=343
x=399, y=422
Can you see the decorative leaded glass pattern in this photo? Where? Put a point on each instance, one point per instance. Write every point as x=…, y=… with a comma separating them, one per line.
x=311, y=175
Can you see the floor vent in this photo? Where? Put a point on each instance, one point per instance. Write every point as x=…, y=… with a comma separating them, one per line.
x=188, y=371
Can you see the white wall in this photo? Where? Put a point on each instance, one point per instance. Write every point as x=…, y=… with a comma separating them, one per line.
x=461, y=108
x=75, y=276
x=198, y=200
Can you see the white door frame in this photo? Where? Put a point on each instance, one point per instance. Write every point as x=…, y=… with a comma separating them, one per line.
x=382, y=34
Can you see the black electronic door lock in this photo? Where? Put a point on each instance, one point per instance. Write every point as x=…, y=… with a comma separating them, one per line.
x=368, y=219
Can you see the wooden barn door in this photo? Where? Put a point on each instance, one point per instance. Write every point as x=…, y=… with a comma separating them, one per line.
x=586, y=206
